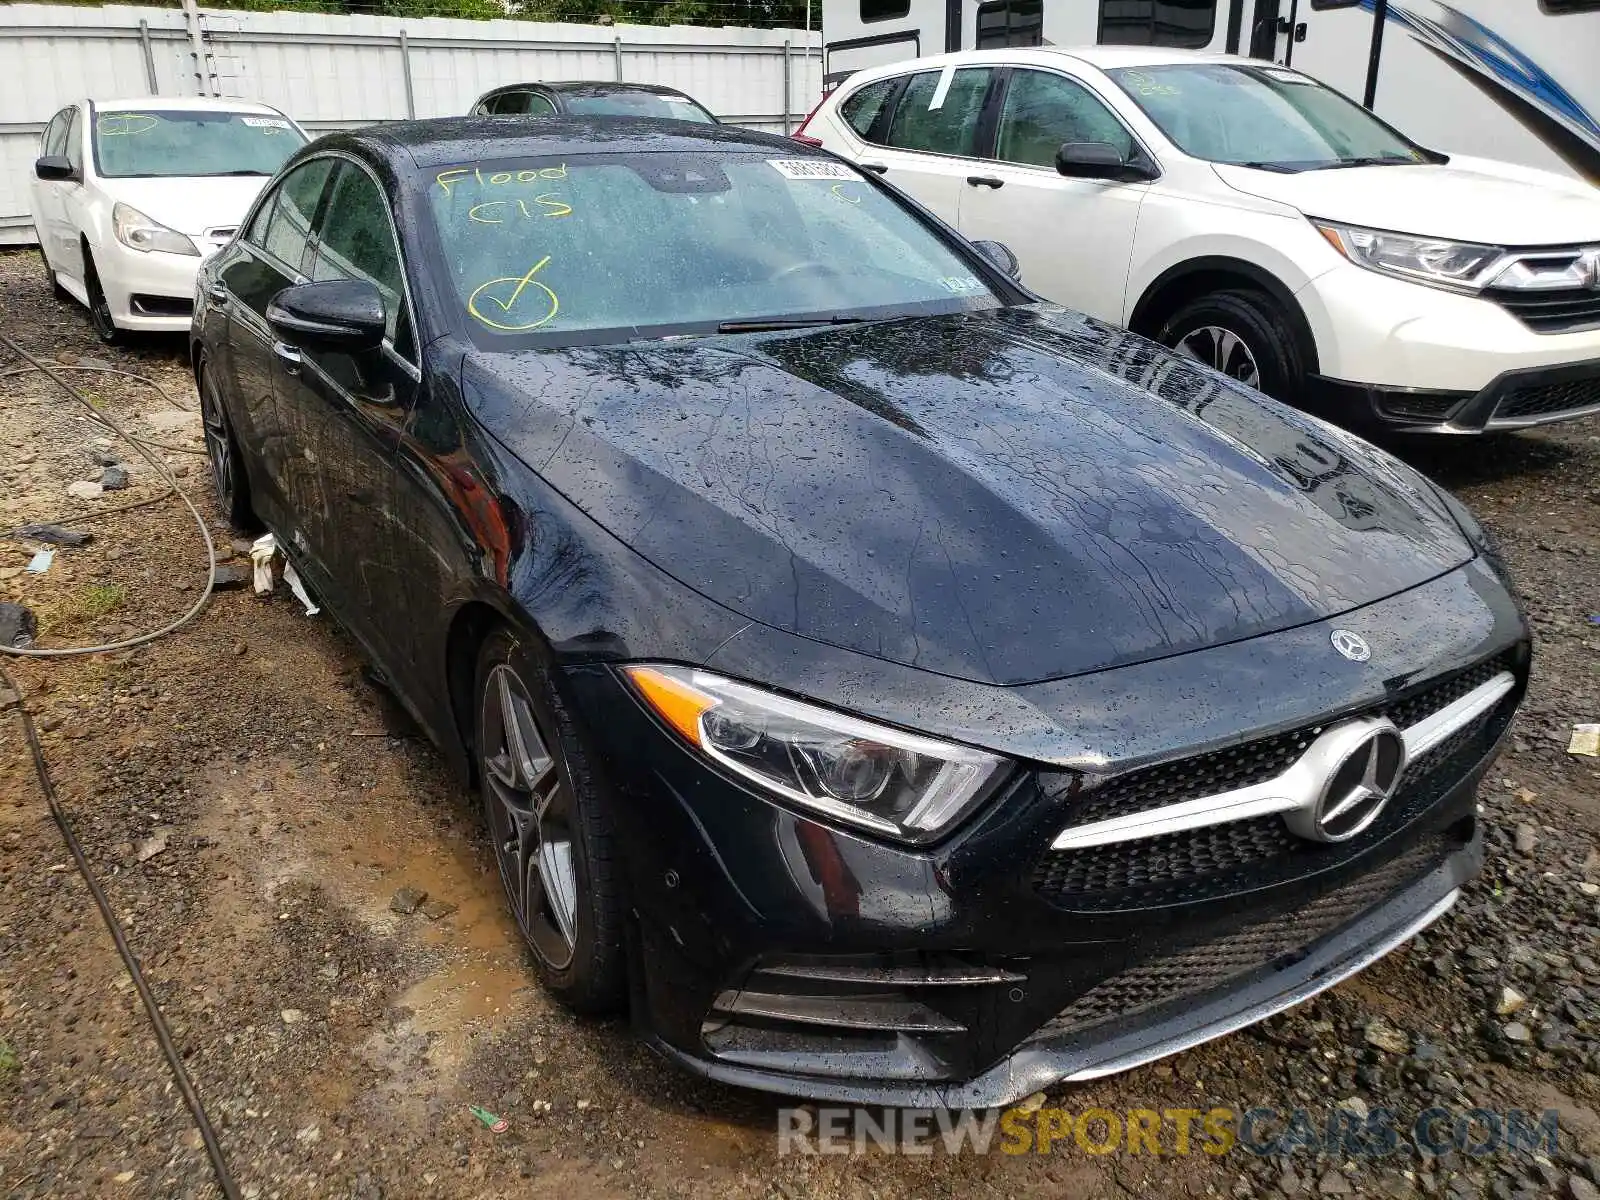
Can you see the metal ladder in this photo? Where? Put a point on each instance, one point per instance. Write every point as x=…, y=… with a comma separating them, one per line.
x=218, y=71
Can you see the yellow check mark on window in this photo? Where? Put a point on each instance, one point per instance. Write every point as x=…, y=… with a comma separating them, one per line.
x=539, y=307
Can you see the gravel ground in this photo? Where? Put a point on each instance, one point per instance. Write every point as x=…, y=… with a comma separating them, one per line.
x=252, y=804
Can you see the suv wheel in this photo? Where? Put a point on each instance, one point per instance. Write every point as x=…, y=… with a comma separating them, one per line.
x=1241, y=334
x=546, y=814
x=99, y=309
x=222, y=451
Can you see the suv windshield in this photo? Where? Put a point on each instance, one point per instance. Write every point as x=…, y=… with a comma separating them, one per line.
x=635, y=104
x=1262, y=117
x=151, y=142
x=611, y=247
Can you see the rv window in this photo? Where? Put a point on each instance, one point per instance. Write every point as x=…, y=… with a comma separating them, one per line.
x=1010, y=23
x=1182, y=23
x=1569, y=6
x=862, y=110
x=884, y=10
x=1042, y=110
x=952, y=127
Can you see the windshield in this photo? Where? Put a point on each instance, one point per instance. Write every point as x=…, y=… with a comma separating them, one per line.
x=609, y=247
x=635, y=104
x=155, y=143
x=1261, y=116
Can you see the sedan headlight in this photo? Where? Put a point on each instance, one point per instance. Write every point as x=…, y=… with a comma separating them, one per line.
x=138, y=232
x=901, y=784
x=1459, y=266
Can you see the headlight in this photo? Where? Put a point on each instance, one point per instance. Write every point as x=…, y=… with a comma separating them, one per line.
x=138, y=232
x=1459, y=266
x=896, y=783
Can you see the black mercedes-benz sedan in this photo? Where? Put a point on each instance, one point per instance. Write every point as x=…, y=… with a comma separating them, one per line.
x=891, y=687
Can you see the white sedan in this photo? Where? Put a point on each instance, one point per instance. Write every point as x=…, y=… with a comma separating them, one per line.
x=1256, y=220
x=129, y=195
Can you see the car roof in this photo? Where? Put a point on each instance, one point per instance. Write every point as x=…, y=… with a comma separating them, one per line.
x=591, y=87
x=1103, y=58
x=453, y=140
x=184, y=104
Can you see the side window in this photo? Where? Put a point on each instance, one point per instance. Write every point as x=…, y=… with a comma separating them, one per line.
x=356, y=241
x=1043, y=110
x=884, y=10
x=1010, y=23
x=947, y=124
x=289, y=227
x=55, y=133
x=862, y=109
x=1183, y=23
x=73, y=148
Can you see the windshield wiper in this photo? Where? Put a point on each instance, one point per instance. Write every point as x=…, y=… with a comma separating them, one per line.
x=1388, y=160
x=768, y=324
x=1280, y=168
x=244, y=171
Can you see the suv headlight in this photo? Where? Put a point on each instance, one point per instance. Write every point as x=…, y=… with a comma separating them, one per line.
x=1458, y=266
x=138, y=232
x=891, y=782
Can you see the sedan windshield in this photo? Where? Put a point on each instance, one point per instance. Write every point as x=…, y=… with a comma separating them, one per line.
x=1263, y=116
x=150, y=143
x=635, y=104
x=610, y=247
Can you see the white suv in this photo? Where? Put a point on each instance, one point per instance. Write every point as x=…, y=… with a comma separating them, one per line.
x=1256, y=220
x=129, y=195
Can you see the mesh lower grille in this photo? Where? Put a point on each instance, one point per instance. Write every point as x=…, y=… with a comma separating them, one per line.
x=1202, y=967
x=1546, y=399
x=1421, y=405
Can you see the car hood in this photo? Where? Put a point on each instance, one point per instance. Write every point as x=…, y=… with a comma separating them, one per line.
x=190, y=205
x=1469, y=200
x=1002, y=497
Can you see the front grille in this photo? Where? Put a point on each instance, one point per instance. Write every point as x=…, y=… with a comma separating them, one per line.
x=1199, y=968
x=1422, y=406
x=1220, y=860
x=1547, y=399
x=1570, y=310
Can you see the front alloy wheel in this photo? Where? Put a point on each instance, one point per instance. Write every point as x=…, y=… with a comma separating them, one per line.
x=99, y=307
x=1223, y=350
x=547, y=814
x=227, y=474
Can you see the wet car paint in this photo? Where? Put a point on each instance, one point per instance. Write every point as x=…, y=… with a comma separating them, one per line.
x=633, y=503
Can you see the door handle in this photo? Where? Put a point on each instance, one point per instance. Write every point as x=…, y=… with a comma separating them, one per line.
x=218, y=293
x=988, y=181
x=289, y=356
x=878, y=168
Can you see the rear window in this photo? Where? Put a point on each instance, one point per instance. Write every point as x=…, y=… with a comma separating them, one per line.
x=636, y=104
x=610, y=247
x=863, y=108
x=156, y=143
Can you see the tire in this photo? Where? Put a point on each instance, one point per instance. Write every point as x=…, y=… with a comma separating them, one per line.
x=59, y=292
x=1242, y=334
x=222, y=452
x=100, y=320
x=580, y=958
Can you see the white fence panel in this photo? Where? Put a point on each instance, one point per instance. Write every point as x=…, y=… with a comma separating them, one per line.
x=338, y=72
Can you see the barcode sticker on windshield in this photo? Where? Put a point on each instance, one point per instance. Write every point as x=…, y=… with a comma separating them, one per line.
x=811, y=168
x=265, y=122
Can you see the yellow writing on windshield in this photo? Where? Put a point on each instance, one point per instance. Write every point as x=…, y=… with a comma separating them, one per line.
x=514, y=303
x=838, y=192
x=492, y=212
x=448, y=179
x=124, y=124
x=1146, y=86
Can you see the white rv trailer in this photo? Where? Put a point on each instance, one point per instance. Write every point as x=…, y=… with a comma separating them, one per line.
x=1516, y=80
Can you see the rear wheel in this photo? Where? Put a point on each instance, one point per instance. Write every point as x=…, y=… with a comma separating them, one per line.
x=99, y=309
x=546, y=814
x=1242, y=334
x=222, y=451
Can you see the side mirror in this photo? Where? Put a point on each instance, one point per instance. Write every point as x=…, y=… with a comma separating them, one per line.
x=337, y=314
x=54, y=166
x=1000, y=255
x=1100, y=160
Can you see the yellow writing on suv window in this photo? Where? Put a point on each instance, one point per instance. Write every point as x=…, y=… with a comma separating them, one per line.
x=125, y=124
x=495, y=212
x=514, y=303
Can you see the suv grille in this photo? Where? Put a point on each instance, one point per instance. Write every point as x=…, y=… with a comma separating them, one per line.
x=1218, y=860
x=1201, y=967
x=1547, y=398
x=1569, y=311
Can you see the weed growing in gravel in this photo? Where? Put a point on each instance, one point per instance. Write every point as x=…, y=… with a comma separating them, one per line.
x=82, y=607
x=9, y=1062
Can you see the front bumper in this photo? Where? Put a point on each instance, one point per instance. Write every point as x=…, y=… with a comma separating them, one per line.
x=783, y=954
x=1520, y=399
x=148, y=291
